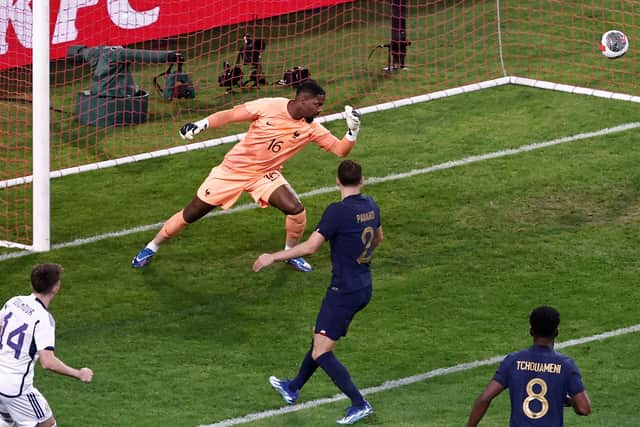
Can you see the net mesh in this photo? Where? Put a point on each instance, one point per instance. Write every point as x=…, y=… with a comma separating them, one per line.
x=559, y=41
x=361, y=52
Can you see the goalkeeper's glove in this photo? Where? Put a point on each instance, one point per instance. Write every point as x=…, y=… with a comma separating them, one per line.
x=353, y=122
x=190, y=130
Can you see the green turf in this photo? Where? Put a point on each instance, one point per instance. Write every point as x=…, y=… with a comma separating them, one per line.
x=391, y=142
x=469, y=251
x=452, y=44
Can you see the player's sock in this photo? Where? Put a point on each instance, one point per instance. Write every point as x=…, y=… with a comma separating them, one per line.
x=307, y=369
x=173, y=226
x=294, y=225
x=153, y=246
x=340, y=376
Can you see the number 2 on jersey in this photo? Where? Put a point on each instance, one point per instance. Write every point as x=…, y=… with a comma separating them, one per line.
x=367, y=237
x=539, y=396
x=15, y=338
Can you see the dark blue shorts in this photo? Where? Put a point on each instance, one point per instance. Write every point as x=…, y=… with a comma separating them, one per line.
x=337, y=311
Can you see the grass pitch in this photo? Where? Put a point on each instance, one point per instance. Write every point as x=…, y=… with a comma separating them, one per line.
x=469, y=251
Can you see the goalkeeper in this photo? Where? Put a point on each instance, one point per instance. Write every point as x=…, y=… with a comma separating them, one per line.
x=279, y=129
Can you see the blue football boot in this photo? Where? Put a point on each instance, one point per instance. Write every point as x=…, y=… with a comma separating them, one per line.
x=282, y=387
x=143, y=258
x=299, y=264
x=356, y=413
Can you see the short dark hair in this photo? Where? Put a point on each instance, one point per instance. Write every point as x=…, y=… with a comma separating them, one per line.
x=45, y=276
x=349, y=173
x=544, y=322
x=310, y=86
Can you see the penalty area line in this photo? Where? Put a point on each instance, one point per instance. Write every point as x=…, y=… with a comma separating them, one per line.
x=369, y=181
x=389, y=385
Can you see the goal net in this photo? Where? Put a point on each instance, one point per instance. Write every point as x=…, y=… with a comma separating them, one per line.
x=124, y=76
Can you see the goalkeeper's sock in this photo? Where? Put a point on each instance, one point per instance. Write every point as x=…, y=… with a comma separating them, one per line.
x=340, y=377
x=294, y=226
x=307, y=369
x=173, y=226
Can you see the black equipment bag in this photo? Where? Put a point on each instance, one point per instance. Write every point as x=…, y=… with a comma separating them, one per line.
x=295, y=76
x=177, y=84
x=231, y=76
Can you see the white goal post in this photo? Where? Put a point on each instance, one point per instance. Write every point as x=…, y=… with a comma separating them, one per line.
x=41, y=122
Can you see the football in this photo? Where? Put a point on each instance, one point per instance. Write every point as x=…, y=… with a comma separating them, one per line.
x=614, y=44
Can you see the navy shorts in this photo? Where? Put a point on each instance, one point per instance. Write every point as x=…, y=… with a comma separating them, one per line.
x=337, y=311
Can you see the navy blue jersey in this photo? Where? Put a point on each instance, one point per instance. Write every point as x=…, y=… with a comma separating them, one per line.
x=538, y=380
x=350, y=226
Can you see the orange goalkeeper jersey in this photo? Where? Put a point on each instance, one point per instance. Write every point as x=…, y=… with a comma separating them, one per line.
x=273, y=138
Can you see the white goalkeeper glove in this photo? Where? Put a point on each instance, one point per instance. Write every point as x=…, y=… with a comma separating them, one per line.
x=190, y=130
x=353, y=122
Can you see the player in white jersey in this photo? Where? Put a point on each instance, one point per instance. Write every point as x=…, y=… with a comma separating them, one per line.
x=27, y=333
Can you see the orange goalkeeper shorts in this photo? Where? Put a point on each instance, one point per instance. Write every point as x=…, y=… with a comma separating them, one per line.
x=223, y=187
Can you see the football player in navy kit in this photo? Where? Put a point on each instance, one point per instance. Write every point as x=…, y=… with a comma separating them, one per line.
x=540, y=380
x=352, y=226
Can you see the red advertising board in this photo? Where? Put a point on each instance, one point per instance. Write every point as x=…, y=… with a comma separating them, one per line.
x=119, y=22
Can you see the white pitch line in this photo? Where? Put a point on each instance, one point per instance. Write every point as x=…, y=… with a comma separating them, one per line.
x=389, y=385
x=369, y=181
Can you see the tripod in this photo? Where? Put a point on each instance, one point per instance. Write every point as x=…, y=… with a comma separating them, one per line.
x=396, y=52
x=382, y=46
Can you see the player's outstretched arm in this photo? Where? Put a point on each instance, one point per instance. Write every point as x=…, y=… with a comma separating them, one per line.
x=238, y=113
x=483, y=401
x=344, y=146
x=308, y=247
x=50, y=362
